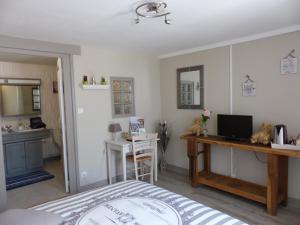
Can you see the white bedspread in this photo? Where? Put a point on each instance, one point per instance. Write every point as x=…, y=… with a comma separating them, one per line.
x=135, y=203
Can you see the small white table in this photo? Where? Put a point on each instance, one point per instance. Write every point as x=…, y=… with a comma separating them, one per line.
x=123, y=147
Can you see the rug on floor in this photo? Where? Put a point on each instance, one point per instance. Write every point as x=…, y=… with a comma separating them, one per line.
x=31, y=178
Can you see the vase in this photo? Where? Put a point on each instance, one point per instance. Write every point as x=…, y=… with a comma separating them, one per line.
x=205, y=132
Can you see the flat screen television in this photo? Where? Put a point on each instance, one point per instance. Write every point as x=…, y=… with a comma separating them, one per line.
x=236, y=127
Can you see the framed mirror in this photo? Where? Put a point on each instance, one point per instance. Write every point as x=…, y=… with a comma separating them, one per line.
x=20, y=97
x=190, y=87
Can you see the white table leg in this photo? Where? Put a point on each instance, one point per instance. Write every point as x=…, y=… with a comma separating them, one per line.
x=124, y=166
x=108, y=151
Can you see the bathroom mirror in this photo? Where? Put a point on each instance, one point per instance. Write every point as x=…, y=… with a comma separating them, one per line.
x=20, y=97
x=190, y=87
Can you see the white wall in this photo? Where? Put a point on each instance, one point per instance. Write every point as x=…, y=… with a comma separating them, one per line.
x=276, y=100
x=92, y=125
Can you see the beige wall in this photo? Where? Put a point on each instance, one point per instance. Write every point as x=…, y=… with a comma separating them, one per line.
x=216, y=83
x=47, y=74
x=92, y=125
x=276, y=100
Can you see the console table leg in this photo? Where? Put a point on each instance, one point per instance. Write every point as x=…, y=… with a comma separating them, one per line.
x=272, y=187
x=207, y=157
x=192, y=148
x=283, y=178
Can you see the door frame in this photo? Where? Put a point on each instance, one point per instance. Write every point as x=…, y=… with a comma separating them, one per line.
x=65, y=52
x=63, y=122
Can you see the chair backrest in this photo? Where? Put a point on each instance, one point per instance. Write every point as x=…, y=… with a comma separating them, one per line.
x=144, y=145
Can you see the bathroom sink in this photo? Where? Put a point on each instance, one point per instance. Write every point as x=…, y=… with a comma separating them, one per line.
x=29, y=130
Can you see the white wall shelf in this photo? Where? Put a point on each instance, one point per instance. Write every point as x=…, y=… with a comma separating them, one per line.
x=95, y=87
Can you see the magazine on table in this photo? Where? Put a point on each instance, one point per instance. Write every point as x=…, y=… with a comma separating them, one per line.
x=136, y=126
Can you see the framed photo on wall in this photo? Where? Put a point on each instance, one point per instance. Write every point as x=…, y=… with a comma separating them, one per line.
x=55, y=87
x=289, y=64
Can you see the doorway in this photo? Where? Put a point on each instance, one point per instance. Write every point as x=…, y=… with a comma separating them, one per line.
x=33, y=129
x=54, y=143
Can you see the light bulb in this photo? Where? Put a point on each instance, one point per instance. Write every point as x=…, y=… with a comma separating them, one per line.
x=167, y=21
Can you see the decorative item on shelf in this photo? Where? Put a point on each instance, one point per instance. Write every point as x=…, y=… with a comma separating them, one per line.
x=85, y=80
x=205, y=117
x=114, y=128
x=263, y=136
x=197, y=127
x=289, y=64
x=164, y=137
x=93, y=81
x=103, y=81
x=249, y=87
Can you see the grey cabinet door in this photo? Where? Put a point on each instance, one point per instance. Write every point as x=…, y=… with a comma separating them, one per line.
x=34, y=154
x=15, y=159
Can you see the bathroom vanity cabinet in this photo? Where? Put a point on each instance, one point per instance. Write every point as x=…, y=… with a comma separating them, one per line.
x=23, y=151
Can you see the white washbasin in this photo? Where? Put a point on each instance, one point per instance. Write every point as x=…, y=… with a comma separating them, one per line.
x=28, y=130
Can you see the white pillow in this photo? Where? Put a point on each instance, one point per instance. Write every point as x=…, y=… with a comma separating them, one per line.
x=29, y=217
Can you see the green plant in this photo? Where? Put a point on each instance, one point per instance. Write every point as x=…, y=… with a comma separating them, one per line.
x=103, y=81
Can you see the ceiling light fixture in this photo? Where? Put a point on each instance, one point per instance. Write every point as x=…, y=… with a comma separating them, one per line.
x=152, y=9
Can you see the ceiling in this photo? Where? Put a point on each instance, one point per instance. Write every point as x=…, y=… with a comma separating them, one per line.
x=110, y=23
x=27, y=59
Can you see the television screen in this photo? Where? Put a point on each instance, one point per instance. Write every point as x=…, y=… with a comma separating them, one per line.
x=235, y=126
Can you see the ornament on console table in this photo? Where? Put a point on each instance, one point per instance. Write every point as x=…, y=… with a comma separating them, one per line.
x=263, y=136
x=205, y=117
x=197, y=127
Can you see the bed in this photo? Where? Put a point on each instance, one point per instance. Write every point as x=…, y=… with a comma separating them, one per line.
x=134, y=203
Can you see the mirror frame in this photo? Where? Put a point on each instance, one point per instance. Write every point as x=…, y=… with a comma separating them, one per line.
x=199, y=68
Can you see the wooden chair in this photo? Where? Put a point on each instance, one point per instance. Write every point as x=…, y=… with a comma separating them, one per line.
x=143, y=148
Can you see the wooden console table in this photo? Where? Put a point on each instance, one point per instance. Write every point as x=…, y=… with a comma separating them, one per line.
x=273, y=194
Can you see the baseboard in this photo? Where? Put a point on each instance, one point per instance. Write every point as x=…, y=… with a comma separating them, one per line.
x=100, y=183
x=93, y=186
x=177, y=170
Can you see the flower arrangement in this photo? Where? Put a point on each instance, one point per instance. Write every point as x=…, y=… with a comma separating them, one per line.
x=205, y=117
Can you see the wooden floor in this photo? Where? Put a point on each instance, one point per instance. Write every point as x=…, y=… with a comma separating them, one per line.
x=246, y=210
x=243, y=209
